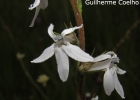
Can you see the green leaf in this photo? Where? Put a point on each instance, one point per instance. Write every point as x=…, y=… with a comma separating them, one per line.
x=79, y=4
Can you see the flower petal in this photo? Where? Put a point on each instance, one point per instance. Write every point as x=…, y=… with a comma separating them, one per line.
x=35, y=16
x=47, y=53
x=76, y=53
x=108, y=82
x=35, y=4
x=120, y=71
x=62, y=63
x=102, y=57
x=114, y=60
x=112, y=54
x=118, y=86
x=43, y=4
x=52, y=35
x=70, y=30
x=100, y=65
x=38, y=4
x=50, y=31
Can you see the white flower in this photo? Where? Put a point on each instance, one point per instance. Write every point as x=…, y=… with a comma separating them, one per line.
x=106, y=62
x=38, y=4
x=62, y=49
x=96, y=98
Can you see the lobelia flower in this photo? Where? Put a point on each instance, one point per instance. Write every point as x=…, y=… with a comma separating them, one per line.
x=38, y=4
x=106, y=62
x=62, y=49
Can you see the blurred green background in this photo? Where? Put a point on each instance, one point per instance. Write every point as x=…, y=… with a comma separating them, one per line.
x=104, y=27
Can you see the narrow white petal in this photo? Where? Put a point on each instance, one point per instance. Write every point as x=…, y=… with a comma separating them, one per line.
x=52, y=35
x=35, y=16
x=118, y=86
x=47, y=53
x=102, y=57
x=43, y=4
x=108, y=82
x=112, y=54
x=34, y=5
x=120, y=71
x=50, y=31
x=100, y=65
x=62, y=63
x=70, y=30
x=96, y=98
x=76, y=53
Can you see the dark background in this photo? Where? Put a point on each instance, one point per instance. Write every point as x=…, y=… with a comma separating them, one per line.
x=104, y=27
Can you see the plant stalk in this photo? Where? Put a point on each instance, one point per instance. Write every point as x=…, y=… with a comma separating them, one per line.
x=79, y=76
x=7, y=29
x=79, y=21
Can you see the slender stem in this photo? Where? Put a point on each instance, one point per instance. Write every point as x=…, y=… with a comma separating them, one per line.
x=5, y=26
x=31, y=79
x=79, y=75
x=79, y=21
x=126, y=36
x=79, y=85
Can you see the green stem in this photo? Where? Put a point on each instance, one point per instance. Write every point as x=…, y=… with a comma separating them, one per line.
x=79, y=85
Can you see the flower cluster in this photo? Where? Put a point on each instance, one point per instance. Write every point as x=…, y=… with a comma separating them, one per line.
x=63, y=48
